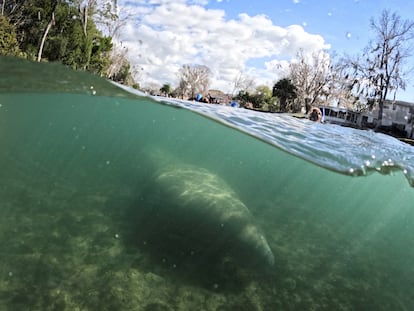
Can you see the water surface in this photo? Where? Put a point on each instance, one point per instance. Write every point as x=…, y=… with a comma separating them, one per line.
x=83, y=225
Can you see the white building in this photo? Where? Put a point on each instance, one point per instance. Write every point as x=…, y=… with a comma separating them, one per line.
x=397, y=117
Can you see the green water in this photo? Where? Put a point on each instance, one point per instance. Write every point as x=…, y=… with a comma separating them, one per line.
x=76, y=174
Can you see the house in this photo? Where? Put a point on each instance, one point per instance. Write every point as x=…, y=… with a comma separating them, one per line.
x=397, y=118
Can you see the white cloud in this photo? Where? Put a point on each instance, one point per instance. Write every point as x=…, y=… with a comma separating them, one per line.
x=165, y=35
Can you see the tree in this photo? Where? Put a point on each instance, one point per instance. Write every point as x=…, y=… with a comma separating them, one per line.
x=153, y=88
x=244, y=98
x=8, y=41
x=86, y=9
x=261, y=97
x=285, y=91
x=47, y=29
x=107, y=17
x=118, y=59
x=309, y=74
x=166, y=89
x=242, y=83
x=111, y=19
x=194, y=79
x=181, y=90
x=54, y=30
x=28, y=18
x=64, y=31
x=380, y=71
x=340, y=85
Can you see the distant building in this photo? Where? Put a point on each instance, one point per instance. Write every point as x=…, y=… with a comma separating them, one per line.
x=341, y=116
x=397, y=118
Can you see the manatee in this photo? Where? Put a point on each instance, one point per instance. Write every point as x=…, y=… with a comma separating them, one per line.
x=198, y=207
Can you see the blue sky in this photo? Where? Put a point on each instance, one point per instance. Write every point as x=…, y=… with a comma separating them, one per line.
x=257, y=39
x=343, y=23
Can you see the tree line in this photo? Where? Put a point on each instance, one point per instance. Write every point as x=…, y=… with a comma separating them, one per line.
x=65, y=31
x=357, y=82
x=360, y=81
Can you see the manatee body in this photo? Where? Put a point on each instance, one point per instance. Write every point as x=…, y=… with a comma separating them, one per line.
x=201, y=200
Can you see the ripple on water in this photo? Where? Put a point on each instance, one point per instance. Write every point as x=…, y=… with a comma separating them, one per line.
x=341, y=149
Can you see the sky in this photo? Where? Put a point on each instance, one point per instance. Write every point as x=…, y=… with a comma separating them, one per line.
x=257, y=38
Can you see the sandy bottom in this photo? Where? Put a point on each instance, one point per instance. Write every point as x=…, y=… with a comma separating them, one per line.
x=64, y=248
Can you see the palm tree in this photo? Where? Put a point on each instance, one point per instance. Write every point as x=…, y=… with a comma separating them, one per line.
x=285, y=91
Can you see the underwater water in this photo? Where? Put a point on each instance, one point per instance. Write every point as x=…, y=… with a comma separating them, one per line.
x=112, y=201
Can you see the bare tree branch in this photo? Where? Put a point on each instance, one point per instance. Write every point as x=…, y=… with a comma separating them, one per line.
x=380, y=72
x=195, y=79
x=309, y=75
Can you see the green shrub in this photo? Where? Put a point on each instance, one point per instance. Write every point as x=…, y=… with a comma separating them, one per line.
x=8, y=41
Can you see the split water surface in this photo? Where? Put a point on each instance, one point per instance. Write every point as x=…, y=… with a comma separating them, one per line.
x=114, y=201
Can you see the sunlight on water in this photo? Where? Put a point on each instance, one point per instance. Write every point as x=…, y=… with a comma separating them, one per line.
x=118, y=202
